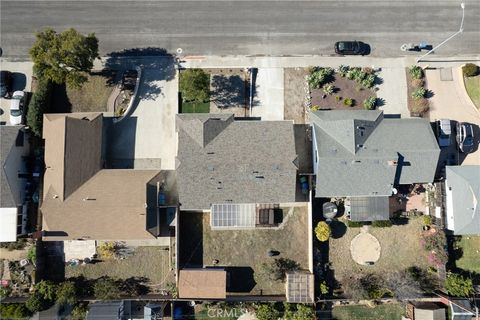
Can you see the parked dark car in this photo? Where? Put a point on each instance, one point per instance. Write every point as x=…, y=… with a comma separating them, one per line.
x=465, y=137
x=350, y=47
x=5, y=83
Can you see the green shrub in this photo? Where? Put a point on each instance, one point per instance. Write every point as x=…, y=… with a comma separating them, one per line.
x=348, y=102
x=318, y=77
x=35, y=302
x=328, y=89
x=417, y=83
x=370, y=103
x=470, y=70
x=324, y=288
x=13, y=311
x=79, y=312
x=314, y=108
x=194, y=85
x=458, y=286
x=355, y=224
x=66, y=293
x=343, y=70
x=32, y=254
x=338, y=98
x=266, y=312
x=382, y=223
x=419, y=93
x=39, y=104
x=427, y=220
x=322, y=231
x=368, y=81
x=304, y=312
x=415, y=72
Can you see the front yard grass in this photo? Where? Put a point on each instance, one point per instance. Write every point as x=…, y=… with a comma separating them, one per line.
x=472, y=85
x=149, y=262
x=195, y=107
x=389, y=311
x=400, y=249
x=470, y=258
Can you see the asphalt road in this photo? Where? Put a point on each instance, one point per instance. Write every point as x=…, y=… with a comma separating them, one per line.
x=247, y=27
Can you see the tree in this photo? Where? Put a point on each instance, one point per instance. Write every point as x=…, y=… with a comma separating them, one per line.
x=470, y=70
x=279, y=267
x=458, y=286
x=194, y=85
x=322, y=231
x=35, y=302
x=266, y=312
x=66, y=293
x=39, y=104
x=47, y=290
x=106, y=289
x=304, y=313
x=403, y=286
x=64, y=57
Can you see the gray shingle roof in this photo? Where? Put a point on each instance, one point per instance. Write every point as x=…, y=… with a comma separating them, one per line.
x=225, y=161
x=464, y=184
x=356, y=150
x=8, y=136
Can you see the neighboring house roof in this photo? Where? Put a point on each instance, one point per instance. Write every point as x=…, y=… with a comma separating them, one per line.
x=429, y=311
x=202, y=284
x=9, y=195
x=221, y=160
x=111, y=310
x=463, y=197
x=8, y=225
x=83, y=201
x=362, y=154
x=369, y=208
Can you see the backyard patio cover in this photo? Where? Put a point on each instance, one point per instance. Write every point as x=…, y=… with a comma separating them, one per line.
x=369, y=208
x=202, y=284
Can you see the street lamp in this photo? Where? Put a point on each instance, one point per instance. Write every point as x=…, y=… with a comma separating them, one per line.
x=462, y=5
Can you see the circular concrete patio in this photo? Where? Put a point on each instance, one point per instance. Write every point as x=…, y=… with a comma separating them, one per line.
x=365, y=248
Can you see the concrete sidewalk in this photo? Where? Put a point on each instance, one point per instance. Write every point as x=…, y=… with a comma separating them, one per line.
x=392, y=92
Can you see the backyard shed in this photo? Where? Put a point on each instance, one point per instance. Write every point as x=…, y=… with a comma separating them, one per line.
x=367, y=208
x=202, y=284
x=429, y=311
x=300, y=287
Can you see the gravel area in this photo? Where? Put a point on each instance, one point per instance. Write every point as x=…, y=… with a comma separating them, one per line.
x=294, y=94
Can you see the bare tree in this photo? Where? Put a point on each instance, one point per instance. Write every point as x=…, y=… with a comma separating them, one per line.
x=402, y=285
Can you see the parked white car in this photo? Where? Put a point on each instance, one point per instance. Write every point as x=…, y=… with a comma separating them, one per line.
x=16, y=107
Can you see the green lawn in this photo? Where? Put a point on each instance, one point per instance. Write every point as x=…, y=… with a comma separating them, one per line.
x=380, y=312
x=470, y=259
x=472, y=84
x=192, y=107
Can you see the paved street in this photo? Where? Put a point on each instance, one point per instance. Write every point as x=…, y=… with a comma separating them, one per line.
x=243, y=27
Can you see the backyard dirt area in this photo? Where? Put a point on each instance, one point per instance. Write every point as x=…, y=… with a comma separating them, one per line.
x=389, y=311
x=228, y=91
x=344, y=88
x=294, y=94
x=148, y=262
x=400, y=249
x=244, y=251
x=91, y=97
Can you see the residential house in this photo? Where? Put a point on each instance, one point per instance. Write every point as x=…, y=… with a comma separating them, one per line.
x=364, y=155
x=84, y=201
x=462, y=189
x=14, y=148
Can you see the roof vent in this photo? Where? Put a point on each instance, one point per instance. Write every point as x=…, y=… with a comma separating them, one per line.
x=392, y=162
x=210, y=152
x=356, y=161
x=259, y=177
x=210, y=168
x=55, y=196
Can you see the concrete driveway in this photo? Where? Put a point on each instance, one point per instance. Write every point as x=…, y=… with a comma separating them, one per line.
x=450, y=101
x=21, y=80
x=268, y=100
x=392, y=91
x=146, y=139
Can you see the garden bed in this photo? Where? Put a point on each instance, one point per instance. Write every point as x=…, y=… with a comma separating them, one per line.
x=418, y=104
x=346, y=88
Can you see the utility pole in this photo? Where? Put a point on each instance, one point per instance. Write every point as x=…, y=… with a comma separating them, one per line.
x=462, y=5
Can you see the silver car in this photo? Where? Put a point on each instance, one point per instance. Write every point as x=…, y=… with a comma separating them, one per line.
x=465, y=139
x=16, y=106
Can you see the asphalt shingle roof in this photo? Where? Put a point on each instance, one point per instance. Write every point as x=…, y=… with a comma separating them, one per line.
x=221, y=160
x=8, y=136
x=356, y=151
x=464, y=184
